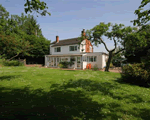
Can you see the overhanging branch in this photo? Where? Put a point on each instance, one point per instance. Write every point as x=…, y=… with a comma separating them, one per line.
x=119, y=51
x=104, y=44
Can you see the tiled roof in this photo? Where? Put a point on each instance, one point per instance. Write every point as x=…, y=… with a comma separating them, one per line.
x=70, y=41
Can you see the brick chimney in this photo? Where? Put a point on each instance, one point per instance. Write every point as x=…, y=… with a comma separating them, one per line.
x=57, y=39
x=83, y=32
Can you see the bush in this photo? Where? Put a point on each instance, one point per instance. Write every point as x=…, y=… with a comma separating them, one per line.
x=136, y=73
x=12, y=63
x=60, y=65
x=95, y=67
x=111, y=65
x=65, y=64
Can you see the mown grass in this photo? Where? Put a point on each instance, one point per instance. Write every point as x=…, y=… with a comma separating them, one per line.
x=29, y=93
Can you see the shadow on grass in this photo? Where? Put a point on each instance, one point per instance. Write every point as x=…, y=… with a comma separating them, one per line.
x=132, y=82
x=8, y=77
x=64, y=102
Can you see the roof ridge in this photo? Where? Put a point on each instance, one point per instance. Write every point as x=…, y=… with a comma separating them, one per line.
x=66, y=39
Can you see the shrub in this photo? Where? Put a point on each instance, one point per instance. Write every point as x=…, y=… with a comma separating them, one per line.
x=65, y=64
x=136, y=73
x=60, y=65
x=95, y=68
x=12, y=63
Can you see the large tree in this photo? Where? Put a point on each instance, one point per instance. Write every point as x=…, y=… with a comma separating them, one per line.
x=143, y=15
x=120, y=35
x=136, y=53
x=13, y=46
x=21, y=36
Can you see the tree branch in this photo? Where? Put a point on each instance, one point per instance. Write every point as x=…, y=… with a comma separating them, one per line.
x=13, y=57
x=119, y=51
x=115, y=45
x=104, y=45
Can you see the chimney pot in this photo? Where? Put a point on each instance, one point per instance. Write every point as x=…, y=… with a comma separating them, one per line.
x=57, y=39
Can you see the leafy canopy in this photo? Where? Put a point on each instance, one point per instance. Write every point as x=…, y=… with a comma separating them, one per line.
x=37, y=6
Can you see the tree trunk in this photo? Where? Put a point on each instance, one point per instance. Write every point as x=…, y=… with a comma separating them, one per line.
x=108, y=62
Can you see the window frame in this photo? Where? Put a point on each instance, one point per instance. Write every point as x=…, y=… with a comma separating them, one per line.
x=91, y=58
x=95, y=60
x=56, y=49
x=74, y=48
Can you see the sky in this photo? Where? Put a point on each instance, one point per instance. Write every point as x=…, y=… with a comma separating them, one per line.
x=69, y=17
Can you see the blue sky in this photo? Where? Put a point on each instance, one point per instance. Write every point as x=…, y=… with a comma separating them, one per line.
x=69, y=17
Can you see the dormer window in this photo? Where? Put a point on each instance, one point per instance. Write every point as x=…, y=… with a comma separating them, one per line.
x=73, y=48
x=58, y=49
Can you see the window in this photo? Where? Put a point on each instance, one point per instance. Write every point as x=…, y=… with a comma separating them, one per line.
x=95, y=57
x=91, y=58
x=73, y=48
x=87, y=58
x=57, y=49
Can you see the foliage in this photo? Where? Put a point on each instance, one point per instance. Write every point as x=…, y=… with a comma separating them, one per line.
x=117, y=60
x=65, y=64
x=136, y=73
x=21, y=36
x=139, y=53
x=13, y=46
x=143, y=15
x=12, y=63
x=60, y=65
x=111, y=65
x=95, y=68
x=1, y=62
x=37, y=6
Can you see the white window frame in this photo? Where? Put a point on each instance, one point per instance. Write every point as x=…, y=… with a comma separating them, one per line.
x=74, y=48
x=88, y=58
x=56, y=49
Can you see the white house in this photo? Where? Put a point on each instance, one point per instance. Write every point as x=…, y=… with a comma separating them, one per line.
x=70, y=50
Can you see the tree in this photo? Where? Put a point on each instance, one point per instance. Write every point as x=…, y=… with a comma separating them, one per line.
x=3, y=18
x=13, y=46
x=37, y=6
x=118, y=58
x=143, y=15
x=21, y=36
x=120, y=34
x=139, y=53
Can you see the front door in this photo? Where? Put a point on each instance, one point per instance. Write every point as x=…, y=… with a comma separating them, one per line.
x=79, y=62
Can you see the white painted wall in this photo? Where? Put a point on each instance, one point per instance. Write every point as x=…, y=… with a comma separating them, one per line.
x=101, y=60
x=104, y=58
x=50, y=50
x=83, y=47
x=65, y=49
x=98, y=61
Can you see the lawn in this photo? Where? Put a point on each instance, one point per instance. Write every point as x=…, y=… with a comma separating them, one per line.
x=32, y=93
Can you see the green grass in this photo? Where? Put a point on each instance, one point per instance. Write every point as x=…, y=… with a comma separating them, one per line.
x=32, y=93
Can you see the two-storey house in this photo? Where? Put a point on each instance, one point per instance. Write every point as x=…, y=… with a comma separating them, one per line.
x=70, y=50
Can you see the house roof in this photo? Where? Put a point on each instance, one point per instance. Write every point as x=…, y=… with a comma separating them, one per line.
x=70, y=41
